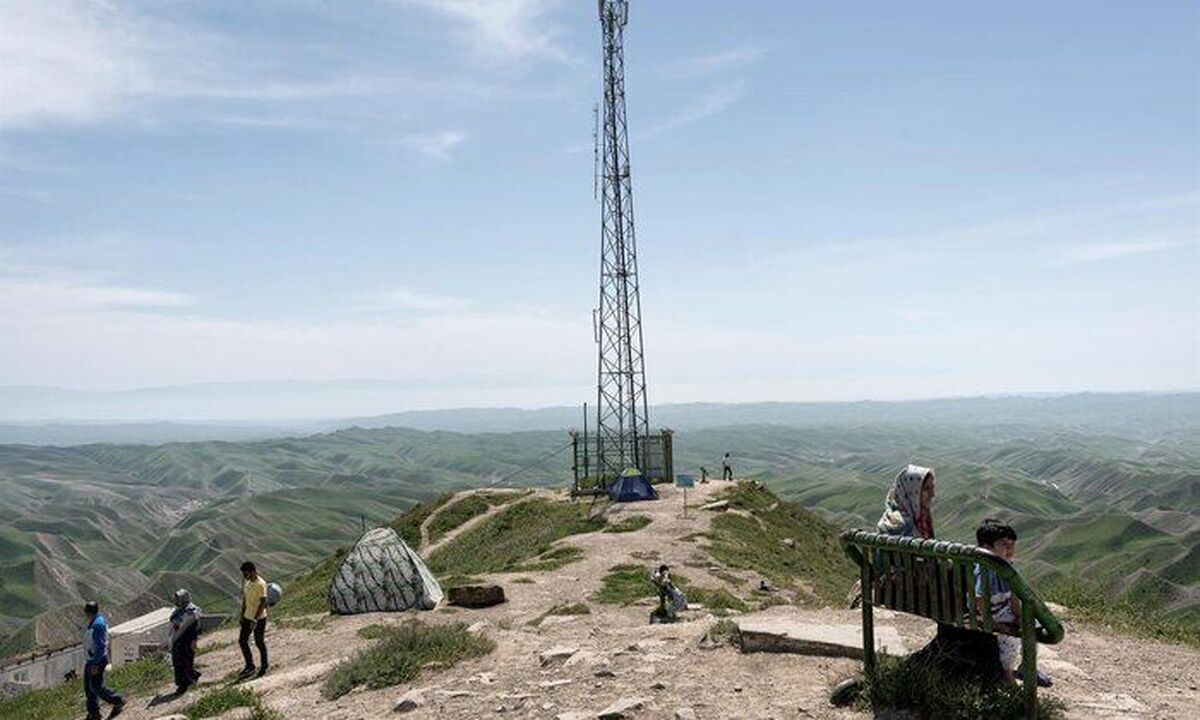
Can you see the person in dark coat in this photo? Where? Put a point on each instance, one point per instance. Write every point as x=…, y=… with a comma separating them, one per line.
x=185, y=631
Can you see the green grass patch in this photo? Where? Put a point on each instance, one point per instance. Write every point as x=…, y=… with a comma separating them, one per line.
x=308, y=593
x=726, y=577
x=552, y=559
x=64, y=702
x=755, y=543
x=525, y=580
x=408, y=524
x=1139, y=613
x=400, y=654
x=624, y=585
x=516, y=538
x=458, y=581
x=466, y=508
x=633, y=523
x=455, y=514
x=900, y=685
x=718, y=599
x=220, y=701
x=140, y=678
x=572, y=609
x=373, y=632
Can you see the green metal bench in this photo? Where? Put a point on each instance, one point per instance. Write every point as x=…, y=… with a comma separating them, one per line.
x=935, y=579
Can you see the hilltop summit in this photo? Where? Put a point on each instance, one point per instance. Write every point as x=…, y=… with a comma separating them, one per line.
x=572, y=639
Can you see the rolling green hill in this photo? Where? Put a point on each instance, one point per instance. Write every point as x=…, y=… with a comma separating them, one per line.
x=1123, y=513
x=128, y=523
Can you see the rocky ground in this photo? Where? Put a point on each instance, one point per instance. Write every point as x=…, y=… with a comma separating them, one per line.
x=576, y=667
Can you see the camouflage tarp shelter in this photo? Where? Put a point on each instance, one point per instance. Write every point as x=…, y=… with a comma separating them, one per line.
x=382, y=574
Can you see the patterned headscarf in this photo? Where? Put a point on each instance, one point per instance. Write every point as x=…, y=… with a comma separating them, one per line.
x=902, y=513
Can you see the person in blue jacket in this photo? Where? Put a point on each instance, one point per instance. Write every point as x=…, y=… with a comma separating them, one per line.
x=95, y=652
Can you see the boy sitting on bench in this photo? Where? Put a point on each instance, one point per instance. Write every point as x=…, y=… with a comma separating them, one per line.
x=1005, y=608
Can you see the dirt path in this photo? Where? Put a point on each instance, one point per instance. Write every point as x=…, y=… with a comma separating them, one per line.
x=425, y=548
x=619, y=656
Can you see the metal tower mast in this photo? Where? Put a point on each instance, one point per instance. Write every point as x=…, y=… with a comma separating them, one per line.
x=621, y=408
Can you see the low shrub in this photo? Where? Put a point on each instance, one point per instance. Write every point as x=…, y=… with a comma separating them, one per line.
x=723, y=632
x=901, y=685
x=220, y=701
x=400, y=654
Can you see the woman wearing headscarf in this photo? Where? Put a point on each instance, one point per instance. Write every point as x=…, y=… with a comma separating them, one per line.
x=185, y=631
x=908, y=508
x=907, y=511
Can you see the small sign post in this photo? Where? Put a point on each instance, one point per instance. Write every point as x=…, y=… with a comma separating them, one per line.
x=685, y=482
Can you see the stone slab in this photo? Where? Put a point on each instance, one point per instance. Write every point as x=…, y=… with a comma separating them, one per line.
x=785, y=635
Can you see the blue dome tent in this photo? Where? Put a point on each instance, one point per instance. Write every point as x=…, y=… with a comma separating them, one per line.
x=631, y=487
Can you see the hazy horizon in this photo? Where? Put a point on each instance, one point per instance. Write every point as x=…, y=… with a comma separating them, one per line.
x=264, y=403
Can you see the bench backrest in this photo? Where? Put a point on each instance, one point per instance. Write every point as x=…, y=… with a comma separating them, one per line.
x=936, y=579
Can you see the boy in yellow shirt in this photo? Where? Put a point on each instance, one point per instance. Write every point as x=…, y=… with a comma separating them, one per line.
x=254, y=619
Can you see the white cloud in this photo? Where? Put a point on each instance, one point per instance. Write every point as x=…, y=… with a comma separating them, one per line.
x=88, y=61
x=34, y=290
x=720, y=60
x=1113, y=251
x=408, y=299
x=711, y=103
x=67, y=60
x=438, y=145
x=513, y=28
x=67, y=332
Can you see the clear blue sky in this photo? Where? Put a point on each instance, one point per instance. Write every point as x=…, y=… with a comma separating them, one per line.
x=834, y=200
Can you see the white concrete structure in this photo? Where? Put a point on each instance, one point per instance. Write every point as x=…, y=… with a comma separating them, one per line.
x=127, y=642
x=127, y=639
x=40, y=669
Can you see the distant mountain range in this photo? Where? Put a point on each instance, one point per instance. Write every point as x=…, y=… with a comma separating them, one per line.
x=64, y=419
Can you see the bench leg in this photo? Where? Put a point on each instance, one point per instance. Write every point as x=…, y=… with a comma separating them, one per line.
x=868, y=620
x=1029, y=661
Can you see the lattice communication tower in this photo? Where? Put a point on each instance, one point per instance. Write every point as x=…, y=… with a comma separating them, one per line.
x=621, y=408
